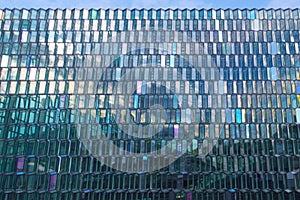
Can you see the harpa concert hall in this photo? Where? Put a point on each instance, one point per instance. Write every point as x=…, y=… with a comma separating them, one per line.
x=149, y=104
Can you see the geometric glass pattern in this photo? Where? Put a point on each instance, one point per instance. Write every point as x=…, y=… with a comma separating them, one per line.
x=229, y=80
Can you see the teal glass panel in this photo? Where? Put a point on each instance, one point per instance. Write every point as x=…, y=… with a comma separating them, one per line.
x=238, y=116
x=252, y=14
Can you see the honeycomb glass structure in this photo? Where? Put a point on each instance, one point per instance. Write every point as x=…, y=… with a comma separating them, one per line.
x=147, y=104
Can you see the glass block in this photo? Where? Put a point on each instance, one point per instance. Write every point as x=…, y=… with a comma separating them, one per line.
x=298, y=115
x=253, y=14
x=238, y=116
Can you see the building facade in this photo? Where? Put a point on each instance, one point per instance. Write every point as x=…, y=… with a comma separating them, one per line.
x=149, y=104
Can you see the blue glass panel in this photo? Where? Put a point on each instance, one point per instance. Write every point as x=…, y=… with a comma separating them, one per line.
x=278, y=61
x=274, y=73
x=245, y=73
x=175, y=101
x=246, y=49
x=235, y=73
x=298, y=87
x=210, y=48
x=234, y=100
x=201, y=14
x=270, y=14
x=136, y=101
x=259, y=60
x=141, y=14
x=204, y=101
x=231, y=61
x=175, y=14
x=158, y=14
x=174, y=48
x=193, y=14
x=238, y=115
x=282, y=48
x=283, y=101
x=241, y=61
x=178, y=116
x=296, y=14
x=254, y=73
x=124, y=14
x=292, y=48
x=289, y=116
x=253, y=131
x=179, y=148
x=165, y=101
x=245, y=14
x=134, y=24
x=274, y=48
x=264, y=101
x=255, y=48
x=278, y=36
x=201, y=87
x=144, y=87
x=269, y=36
x=128, y=147
x=250, y=61
x=239, y=87
x=184, y=14
x=222, y=27
x=298, y=115
x=296, y=36
x=28, y=61
x=297, y=61
x=232, y=131
x=287, y=36
x=283, y=74
x=229, y=87
x=227, y=14
x=115, y=14
x=209, y=14
x=264, y=73
x=222, y=61
x=150, y=14
x=228, y=116
x=294, y=100
x=265, y=48
x=252, y=14
x=207, y=116
x=230, y=27
x=172, y=61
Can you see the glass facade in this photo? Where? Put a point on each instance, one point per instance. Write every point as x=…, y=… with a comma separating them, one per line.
x=218, y=90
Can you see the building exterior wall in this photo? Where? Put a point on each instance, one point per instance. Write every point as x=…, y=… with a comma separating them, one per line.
x=229, y=83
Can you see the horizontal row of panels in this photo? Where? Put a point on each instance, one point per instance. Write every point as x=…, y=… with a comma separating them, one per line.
x=149, y=14
x=129, y=25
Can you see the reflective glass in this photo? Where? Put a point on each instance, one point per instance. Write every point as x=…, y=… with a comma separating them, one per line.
x=234, y=73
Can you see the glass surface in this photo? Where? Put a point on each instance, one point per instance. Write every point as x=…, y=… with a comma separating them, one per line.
x=235, y=72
